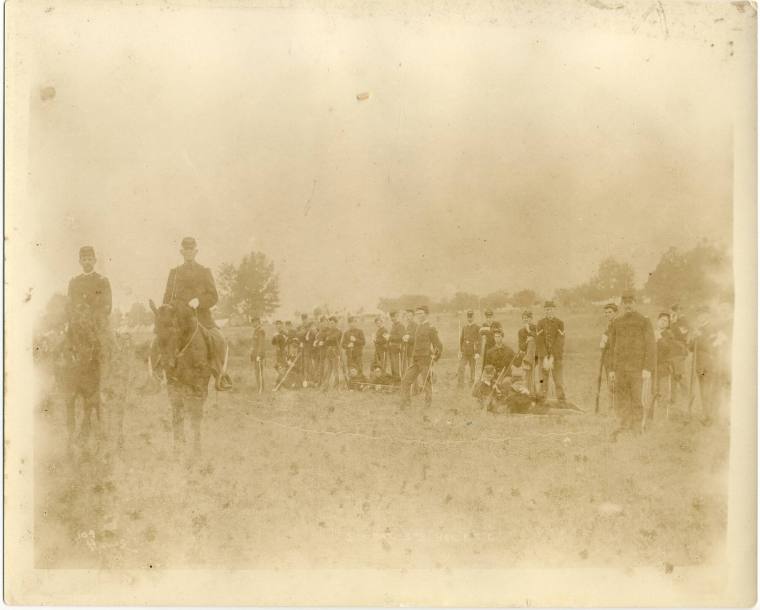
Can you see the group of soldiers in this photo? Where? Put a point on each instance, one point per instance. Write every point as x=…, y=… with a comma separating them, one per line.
x=318, y=353
x=640, y=361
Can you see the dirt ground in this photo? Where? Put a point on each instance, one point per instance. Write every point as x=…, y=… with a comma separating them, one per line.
x=345, y=479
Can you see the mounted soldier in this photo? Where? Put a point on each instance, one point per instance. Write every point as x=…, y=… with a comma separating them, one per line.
x=193, y=285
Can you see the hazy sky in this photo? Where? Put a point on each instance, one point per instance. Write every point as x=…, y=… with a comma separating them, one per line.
x=486, y=157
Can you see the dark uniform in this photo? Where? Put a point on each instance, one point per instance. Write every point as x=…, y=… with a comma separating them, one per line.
x=193, y=281
x=633, y=350
x=501, y=357
x=353, y=343
x=280, y=341
x=468, y=347
x=331, y=338
x=395, y=342
x=550, y=341
x=680, y=330
x=258, y=352
x=526, y=346
x=381, y=347
x=425, y=349
x=310, y=355
x=668, y=351
x=486, y=331
x=91, y=293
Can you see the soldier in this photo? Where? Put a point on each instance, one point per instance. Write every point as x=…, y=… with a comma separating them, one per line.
x=88, y=309
x=379, y=378
x=468, y=349
x=631, y=343
x=668, y=349
x=705, y=344
x=486, y=390
x=290, y=332
x=407, y=351
x=487, y=328
x=310, y=356
x=319, y=350
x=258, y=352
x=526, y=346
x=395, y=343
x=679, y=327
x=353, y=344
x=550, y=347
x=193, y=285
x=500, y=356
x=426, y=349
x=331, y=341
x=280, y=341
x=356, y=380
x=381, y=344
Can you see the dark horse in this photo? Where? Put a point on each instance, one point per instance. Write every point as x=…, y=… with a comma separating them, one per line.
x=79, y=367
x=184, y=351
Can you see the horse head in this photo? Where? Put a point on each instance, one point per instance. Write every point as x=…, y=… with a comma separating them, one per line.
x=171, y=323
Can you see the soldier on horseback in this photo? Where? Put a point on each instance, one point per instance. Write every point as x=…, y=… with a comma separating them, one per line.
x=88, y=308
x=193, y=285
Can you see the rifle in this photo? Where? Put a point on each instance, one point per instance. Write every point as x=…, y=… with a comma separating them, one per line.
x=261, y=376
x=482, y=359
x=496, y=383
x=285, y=376
x=599, y=378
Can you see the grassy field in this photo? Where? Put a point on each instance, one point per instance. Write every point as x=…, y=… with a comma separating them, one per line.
x=306, y=479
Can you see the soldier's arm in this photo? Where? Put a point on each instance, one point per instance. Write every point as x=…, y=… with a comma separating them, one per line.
x=169, y=288
x=612, y=334
x=209, y=296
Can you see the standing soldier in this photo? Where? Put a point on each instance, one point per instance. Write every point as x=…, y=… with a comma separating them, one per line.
x=550, y=345
x=331, y=342
x=319, y=350
x=193, y=285
x=679, y=326
x=257, y=353
x=526, y=346
x=395, y=344
x=353, y=343
x=280, y=341
x=381, y=345
x=667, y=350
x=88, y=309
x=468, y=349
x=486, y=330
x=426, y=349
x=500, y=356
x=610, y=312
x=632, y=346
x=705, y=345
x=310, y=353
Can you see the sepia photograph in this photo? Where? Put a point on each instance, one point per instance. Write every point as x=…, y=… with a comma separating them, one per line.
x=388, y=304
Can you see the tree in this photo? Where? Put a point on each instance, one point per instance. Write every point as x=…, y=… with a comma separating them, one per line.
x=252, y=288
x=611, y=279
x=461, y=301
x=405, y=301
x=525, y=298
x=699, y=275
x=495, y=300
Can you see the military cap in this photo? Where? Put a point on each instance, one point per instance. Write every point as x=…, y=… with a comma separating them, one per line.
x=189, y=243
x=304, y=316
x=288, y=323
x=393, y=313
x=488, y=312
x=422, y=308
x=664, y=314
x=611, y=307
x=628, y=297
x=527, y=314
x=333, y=319
x=470, y=313
x=86, y=251
x=549, y=304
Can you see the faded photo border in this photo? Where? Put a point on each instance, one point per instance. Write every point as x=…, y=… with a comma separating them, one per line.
x=728, y=583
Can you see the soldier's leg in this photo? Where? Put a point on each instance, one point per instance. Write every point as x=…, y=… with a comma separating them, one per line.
x=637, y=409
x=394, y=357
x=559, y=382
x=463, y=360
x=427, y=373
x=406, y=384
x=178, y=408
x=622, y=399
